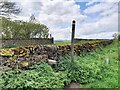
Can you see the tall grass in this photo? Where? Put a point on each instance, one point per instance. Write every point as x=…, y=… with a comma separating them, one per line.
x=109, y=70
x=98, y=69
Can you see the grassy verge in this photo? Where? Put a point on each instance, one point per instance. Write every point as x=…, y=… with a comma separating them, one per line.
x=98, y=69
x=110, y=70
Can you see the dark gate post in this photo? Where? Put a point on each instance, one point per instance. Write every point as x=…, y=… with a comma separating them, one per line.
x=72, y=41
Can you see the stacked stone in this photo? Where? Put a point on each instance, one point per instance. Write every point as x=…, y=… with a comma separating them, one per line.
x=26, y=56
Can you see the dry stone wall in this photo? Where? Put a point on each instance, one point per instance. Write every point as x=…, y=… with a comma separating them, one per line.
x=77, y=40
x=26, y=42
x=23, y=57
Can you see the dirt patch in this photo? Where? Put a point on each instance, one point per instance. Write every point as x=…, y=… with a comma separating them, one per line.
x=72, y=86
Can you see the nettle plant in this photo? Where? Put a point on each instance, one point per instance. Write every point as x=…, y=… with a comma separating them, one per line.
x=41, y=76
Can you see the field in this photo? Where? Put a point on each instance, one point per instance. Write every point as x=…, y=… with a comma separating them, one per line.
x=61, y=42
x=68, y=42
x=96, y=69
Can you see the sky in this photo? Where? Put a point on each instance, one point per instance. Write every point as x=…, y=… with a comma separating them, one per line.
x=94, y=18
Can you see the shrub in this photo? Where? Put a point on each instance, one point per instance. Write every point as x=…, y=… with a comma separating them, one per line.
x=42, y=76
x=78, y=72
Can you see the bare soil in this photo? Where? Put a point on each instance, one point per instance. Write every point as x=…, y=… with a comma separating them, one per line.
x=72, y=86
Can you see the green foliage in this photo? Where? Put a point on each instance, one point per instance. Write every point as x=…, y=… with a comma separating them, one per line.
x=78, y=72
x=22, y=30
x=109, y=72
x=91, y=69
x=42, y=76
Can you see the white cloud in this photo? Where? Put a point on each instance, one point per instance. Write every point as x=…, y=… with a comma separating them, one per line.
x=29, y=8
x=61, y=34
x=101, y=7
x=109, y=11
x=91, y=2
x=107, y=35
x=58, y=15
x=60, y=11
x=104, y=25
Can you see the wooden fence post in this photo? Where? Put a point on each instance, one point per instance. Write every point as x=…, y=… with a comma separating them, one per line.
x=72, y=41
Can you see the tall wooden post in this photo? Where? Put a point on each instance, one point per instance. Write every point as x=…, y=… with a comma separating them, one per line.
x=72, y=41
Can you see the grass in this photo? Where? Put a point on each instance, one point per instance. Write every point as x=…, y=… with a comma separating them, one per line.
x=68, y=42
x=61, y=42
x=92, y=70
x=110, y=73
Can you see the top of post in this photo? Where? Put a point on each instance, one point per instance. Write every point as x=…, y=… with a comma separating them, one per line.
x=73, y=22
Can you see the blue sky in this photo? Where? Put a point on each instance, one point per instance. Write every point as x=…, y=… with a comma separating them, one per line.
x=95, y=18
x=84, y=6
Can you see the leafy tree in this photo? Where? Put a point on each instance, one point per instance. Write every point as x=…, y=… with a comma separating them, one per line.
x=40, y=30
x=8, y=8
x=116, y=36
x=32, y=19
x=23, y=30
x=6, y=28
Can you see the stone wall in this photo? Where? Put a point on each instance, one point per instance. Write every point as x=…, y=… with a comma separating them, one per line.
x=30, y=55
x=26, y=42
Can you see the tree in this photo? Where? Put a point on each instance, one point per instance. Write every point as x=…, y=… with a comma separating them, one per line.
x=23, y=30
x=32, y=19
x=6, y=28
x=8, y=8
x=40, y=30
x=115, y=35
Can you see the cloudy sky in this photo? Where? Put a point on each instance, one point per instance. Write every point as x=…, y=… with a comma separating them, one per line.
x=94, y=18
